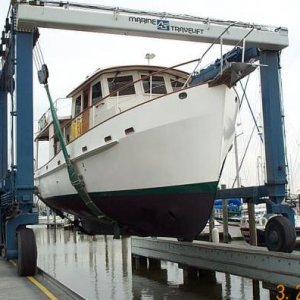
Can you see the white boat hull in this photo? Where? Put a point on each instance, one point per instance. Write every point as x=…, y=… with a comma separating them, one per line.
x=175, y=151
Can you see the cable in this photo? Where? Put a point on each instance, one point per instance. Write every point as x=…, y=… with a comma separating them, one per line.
x=75, y=178
x=251, y=111
x=244, y=155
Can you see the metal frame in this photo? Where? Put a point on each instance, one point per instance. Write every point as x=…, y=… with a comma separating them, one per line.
x=65, y=15
x=115, y=21
x=275, y=187
x=24, y=128
x=16, y=186
x=3, y=135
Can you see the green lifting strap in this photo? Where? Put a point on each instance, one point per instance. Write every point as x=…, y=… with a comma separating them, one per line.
x=75, y=178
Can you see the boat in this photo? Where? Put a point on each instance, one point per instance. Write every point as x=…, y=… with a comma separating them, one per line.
x=148, y=142
x=261, y=219
x=233, y=210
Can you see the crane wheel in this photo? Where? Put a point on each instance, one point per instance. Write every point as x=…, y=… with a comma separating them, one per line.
x=280, y=234
x=27, y=252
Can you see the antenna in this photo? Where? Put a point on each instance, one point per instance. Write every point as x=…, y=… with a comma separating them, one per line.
x=149, y=56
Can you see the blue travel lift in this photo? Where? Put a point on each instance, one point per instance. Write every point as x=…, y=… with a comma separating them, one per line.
x=16, y=180
x=280, y=234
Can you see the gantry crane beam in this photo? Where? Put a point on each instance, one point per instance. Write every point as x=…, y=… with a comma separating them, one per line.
x=59, y=15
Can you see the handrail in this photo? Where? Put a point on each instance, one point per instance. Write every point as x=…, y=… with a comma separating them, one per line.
x=162, y=70
x=221, y=43
x=198, y=60
x=128, y=85
x=206, y=51
x=47, y=113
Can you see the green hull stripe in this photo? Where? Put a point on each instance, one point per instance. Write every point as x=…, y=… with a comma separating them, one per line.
x=207, y=187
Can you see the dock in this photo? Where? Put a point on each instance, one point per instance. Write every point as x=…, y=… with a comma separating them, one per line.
x=248, y=261
x=38, y=287
x=14, y=287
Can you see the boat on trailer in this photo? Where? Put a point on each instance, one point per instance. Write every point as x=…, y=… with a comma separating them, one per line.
x=149, y=145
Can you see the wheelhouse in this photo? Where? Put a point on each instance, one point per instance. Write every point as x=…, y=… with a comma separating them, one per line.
x=107, y=93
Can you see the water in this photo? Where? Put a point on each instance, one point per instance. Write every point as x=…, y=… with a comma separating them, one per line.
x=99, y=267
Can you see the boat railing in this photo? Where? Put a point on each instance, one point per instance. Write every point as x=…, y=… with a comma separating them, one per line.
x=219, y=40
x=76, y=126
x=86, y=119
x=46, y=118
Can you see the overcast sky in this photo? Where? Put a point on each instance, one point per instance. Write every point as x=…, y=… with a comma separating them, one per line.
x=71, y=56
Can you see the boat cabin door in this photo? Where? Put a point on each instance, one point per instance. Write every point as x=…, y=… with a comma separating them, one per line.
x=85, y=113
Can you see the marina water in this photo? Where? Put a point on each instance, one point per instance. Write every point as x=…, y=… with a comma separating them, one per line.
x=100, y=267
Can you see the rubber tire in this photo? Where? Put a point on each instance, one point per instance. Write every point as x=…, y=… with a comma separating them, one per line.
x=285, y=232
x=27, y=252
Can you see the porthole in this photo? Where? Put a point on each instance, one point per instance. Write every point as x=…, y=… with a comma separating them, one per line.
x=129, y=130
x=182, y=95
x=107, y=139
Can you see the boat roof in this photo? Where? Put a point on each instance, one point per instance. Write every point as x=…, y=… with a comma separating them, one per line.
x=147, y=68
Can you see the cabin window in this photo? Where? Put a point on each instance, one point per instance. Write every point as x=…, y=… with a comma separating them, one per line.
x=176, y=85
x=56, y=145
x=96, y=92
x=77, y=105
x=85, y=99
x=157, y=83
x=116, y=83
